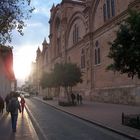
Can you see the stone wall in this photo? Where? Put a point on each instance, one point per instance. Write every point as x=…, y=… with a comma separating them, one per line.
x=124, y=95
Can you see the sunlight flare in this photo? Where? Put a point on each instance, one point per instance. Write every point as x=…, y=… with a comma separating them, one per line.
x=22, y=61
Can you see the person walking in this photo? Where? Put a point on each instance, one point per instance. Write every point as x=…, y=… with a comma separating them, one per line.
x=7, y=99
x=73, y=98
x=13, y=108
x=78, y=98
x=1, y=105
x=22, y=102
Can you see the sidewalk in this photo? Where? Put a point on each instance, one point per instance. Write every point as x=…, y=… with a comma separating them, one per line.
x=103, y=114
x=25, y=130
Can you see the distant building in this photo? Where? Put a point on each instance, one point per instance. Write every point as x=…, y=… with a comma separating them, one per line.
x=32, y=78
x=7, y=77
x=79, y=33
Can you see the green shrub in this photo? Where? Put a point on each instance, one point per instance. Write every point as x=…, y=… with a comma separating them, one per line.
x=47, y=98
x=65, y=103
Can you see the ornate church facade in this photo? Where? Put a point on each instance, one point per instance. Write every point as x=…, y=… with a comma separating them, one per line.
x=80, y=32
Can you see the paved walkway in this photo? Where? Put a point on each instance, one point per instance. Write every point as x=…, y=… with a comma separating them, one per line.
x=106, y=115
x=25, y=130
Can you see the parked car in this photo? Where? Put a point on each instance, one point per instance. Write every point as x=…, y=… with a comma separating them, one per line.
x=26, y=95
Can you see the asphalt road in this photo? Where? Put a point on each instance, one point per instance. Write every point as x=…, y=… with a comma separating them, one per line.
x=57, y=125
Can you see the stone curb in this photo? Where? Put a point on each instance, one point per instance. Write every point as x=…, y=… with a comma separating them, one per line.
x=36, y=125
x=35, y=136
x=93, y=122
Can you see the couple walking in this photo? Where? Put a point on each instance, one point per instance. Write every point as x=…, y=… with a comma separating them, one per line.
x=77, y=97
x=13, y=107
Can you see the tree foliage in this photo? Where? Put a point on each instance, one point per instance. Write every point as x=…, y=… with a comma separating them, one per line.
x=125, y=49
x=47, y=80
x=63, y=75
x=13, y=13
x=71, y=75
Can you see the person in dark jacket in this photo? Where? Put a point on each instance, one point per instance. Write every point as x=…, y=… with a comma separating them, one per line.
x=13, y=108
x=73, y=98
x=78, y=98
x=1, y=105
x=7, y=99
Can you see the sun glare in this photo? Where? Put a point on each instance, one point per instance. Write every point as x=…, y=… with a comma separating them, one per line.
x=22, y=62
x=21, y=69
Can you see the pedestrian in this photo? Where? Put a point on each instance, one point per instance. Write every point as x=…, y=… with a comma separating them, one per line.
x=22, y=102
x=1, y=105
x=77, y=97
x=7, y=99
x=73, y=98
x=80, y=99
x=36, y=93
x=13, y=108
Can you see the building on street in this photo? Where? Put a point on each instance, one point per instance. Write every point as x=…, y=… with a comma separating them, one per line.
x=7, y=77
x=80, y=32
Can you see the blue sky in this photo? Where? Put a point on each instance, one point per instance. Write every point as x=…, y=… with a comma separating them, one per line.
x=37, y=29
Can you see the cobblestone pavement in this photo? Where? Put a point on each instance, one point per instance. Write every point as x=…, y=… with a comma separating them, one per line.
x=103, y=114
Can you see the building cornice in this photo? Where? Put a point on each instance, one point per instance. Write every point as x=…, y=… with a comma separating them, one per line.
x=134, y=3
x=111, y=23
x=115, y=20
x=72, y=2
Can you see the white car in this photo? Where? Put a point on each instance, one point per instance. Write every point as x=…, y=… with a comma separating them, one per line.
x=26, y=95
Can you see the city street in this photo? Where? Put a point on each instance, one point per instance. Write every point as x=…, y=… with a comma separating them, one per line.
x=25, y=130
x=57, y=125
x=70, y=70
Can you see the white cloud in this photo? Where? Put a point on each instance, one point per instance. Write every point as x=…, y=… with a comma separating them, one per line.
x=37, y=28
x=37, y=24
x=42, y=10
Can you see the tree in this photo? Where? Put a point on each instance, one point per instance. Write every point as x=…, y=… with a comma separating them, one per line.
x=63, y=75
x=68, y=75
x=47, y=80
x=58, y=73
x=125, y=49
x=71, y=75
x=13, y=13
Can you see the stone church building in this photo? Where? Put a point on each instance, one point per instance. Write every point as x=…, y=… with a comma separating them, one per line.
x=80, y=32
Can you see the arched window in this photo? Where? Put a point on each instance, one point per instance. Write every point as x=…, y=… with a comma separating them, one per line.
x=104, y=12
x=46, y=57
x=58, y=36
x=82, y=58
x=58, y=27
x=97, y=53
x=75, y=34
x=113, y=8
x=108, y=9
x=58, y=45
